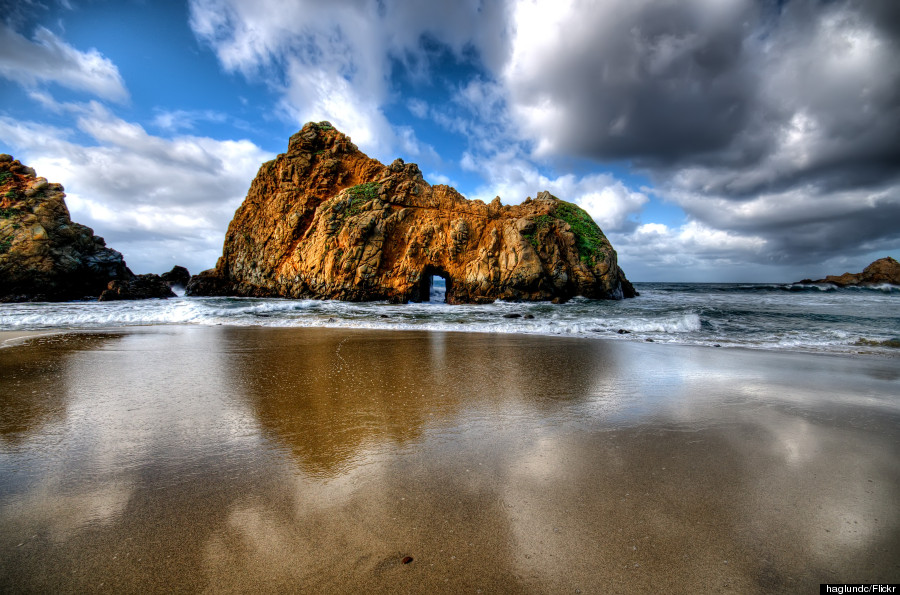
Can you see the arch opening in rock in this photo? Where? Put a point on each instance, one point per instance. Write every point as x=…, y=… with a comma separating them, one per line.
x=435, y=286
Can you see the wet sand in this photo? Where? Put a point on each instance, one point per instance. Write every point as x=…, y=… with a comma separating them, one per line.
x=13, y=338
x=186, y=459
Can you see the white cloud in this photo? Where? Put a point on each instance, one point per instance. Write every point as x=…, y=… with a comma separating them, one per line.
x=49, y=59
x=607, y=200
x=513, y=178
x=417, y=107
x=436, y=178
x=175, y=120
x=315, y=95
x=326, y=59
x=332, y=61
x=152, y=198
x=689, y=246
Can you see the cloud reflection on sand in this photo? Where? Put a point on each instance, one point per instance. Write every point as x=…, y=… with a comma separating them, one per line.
x=262, y=458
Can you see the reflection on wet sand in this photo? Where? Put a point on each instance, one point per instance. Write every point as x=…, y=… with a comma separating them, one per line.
x=335, y=398
x=238, y=459
x=33, y=392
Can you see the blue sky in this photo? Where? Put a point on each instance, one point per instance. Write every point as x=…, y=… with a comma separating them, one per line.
x=712, y=140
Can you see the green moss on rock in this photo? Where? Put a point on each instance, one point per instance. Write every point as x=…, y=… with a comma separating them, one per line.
x=360, y=195
x=589, y=240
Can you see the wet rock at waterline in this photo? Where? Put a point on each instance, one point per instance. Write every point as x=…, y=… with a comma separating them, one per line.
x=45, y=256
x=882, y=271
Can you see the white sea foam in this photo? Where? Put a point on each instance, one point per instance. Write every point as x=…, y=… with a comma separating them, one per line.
x=688, y=323
x=727, y=315
x=819, y=286
x=882, y=287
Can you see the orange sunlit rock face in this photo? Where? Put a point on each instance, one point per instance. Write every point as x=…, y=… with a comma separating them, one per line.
x=325, y=221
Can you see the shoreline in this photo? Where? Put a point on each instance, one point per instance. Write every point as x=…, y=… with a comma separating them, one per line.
x=12, y=338
x=244, y=458
x=751, y=317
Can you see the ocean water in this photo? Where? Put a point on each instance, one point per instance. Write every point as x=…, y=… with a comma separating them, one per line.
x=761, y=316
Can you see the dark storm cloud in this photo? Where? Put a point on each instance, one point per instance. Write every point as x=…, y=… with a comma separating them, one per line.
x=646, y=80
x=819, y=233
x=885, y=14
x=772, y=120
x=817, y=241
x=718, y=84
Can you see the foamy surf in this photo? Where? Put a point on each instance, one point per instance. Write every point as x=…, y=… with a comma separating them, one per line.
x=754, y=316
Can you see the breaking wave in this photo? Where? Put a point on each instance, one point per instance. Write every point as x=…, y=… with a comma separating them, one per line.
x=865, y=320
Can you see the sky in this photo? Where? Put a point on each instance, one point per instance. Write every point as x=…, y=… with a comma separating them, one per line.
x=711, y=140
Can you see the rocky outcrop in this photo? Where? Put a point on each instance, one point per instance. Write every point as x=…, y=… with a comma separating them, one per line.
x=142, y=287
x=177, y=277
x=44, y=256
x=325, y=221
x=139, y=287
x=883, y=270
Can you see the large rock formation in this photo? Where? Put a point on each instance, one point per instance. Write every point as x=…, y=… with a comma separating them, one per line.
x=44, y=256
x=325, y=221
x=884, y=270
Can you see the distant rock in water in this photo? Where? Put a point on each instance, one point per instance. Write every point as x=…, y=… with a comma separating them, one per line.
x=44, y=256
x=139, y=287
x=142, y=287
x=177, y=277
x=325, y=221
x=883, y=270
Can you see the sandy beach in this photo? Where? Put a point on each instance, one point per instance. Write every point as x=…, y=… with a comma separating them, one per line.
x=242, y=459
x=17, y=337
